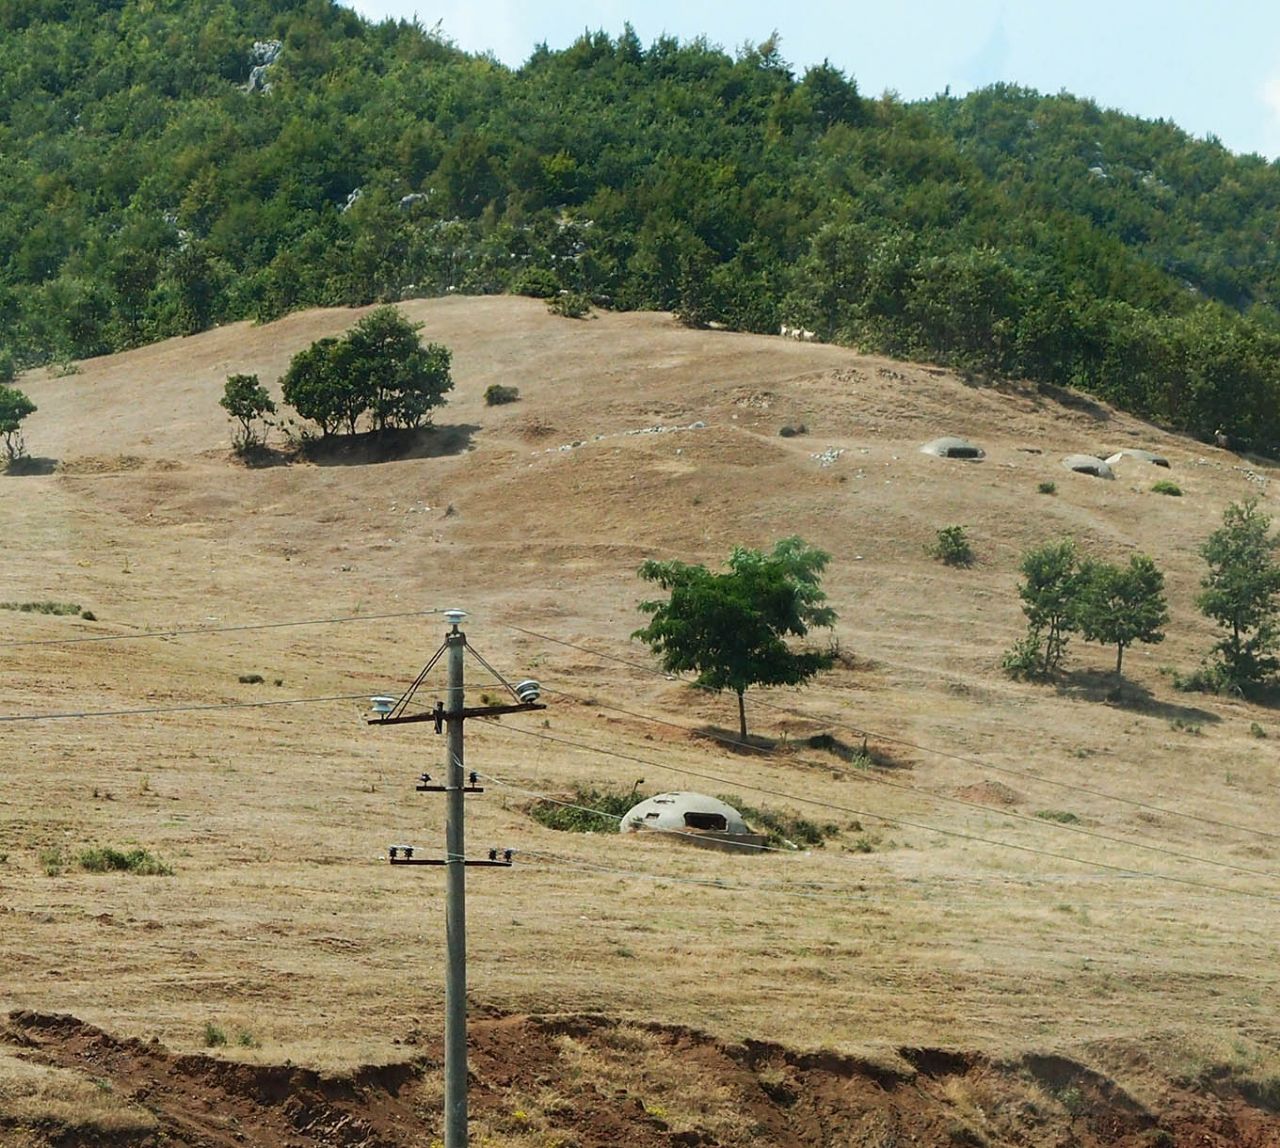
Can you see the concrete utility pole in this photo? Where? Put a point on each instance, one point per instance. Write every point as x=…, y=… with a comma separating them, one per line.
x=455, y=927
x=449, y=717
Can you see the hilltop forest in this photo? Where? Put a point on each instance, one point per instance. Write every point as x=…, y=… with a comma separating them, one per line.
x=173, y=164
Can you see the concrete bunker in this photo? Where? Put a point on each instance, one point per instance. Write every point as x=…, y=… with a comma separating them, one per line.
x=950, y=447
x=694, y=818
x=1137, y=455
x=1088, y=464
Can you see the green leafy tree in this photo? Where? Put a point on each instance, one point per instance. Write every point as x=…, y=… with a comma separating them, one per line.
x=313, y=385
x=245, y=399
x=731, y=628
x=14, y=407
x=1051, y=580
x=1120, y=605
x=400, y=379
x=1239, y=593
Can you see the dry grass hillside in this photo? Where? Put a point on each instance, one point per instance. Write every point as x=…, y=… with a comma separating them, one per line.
x=1032, y=976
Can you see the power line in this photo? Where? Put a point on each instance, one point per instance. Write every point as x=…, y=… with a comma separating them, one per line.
x=219, y=629
x=182, y=709
x=892, y=740
x=1011, y=814
x=553, y=860
x=900, y=821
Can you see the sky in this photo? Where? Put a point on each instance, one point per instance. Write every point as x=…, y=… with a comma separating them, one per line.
x=1210, y=66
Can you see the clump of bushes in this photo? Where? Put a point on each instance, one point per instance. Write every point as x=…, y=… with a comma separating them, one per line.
x=105, y=859
x=496, y=395
x=1047, y=488
x=951, y=547
x=782, y=829
x=59, y=608
x=1164, y=486
x=790, y=431
x=571, y=305
x=585, y=809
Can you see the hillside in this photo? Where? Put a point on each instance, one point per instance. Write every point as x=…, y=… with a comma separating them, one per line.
x=970, y=968
x=175, y=164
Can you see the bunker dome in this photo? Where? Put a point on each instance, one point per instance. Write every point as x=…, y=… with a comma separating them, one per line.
x=684, y=811
x=953, y=448
x=1088, y=464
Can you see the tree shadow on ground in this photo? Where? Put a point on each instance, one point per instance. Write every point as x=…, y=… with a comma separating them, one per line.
x=860, y=754
x=731, y=740
x=1102, y=686
x=394, y=445
x=27, y=465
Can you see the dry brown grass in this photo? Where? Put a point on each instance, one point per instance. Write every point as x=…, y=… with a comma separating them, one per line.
x=69, y=1101
x=961, y=928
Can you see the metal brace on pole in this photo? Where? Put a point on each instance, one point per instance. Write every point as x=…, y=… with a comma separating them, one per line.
x=452, y=714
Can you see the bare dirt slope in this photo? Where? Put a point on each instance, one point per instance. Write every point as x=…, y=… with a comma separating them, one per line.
x=1130, y=932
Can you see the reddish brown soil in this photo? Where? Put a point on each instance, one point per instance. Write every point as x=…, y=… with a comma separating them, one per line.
x=786, y=1098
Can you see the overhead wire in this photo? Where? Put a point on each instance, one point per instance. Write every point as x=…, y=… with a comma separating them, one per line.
x=898, y=821
x=1011, y=814
x=193, y=708
x=890, y=739
x=338, y=620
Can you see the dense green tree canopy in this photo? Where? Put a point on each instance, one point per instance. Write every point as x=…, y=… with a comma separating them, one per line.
x=1240, y=593
x=379, y=368
x=152, y=189
x=1120, y=605
x=730, y=629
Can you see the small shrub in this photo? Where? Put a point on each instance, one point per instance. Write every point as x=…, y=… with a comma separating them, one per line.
x=1204, y=679
x=1257, y=730
x=88, y=615
x=496, y=395
x=60, y=609
x=1191, y=727
x=105, y=859
x=536, y=282
x=782, y=829
x=251, y=679
x=571, y=305
x=1047, y=488
x=1061, y=816
x=1023, y=661
x=790, y=431
x=214, y=1035
x=247, y=1040
x=1164, y=486
x=600, y=810
x=52, y=861
x=951, y=547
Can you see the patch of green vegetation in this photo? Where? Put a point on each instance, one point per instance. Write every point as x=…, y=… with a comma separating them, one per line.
x=1256, y=730
x=951, y=547
x=52, y=861
x=1194, y=728
x=59, y=608
x=251, y=679
x=496, y=395
x=782, y=829
x=1047, y=488
x=1061, y=816
x=1164, y=486
x=585, y=809
x=215, y=1036
x=571, y=305
x=106, y=859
